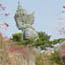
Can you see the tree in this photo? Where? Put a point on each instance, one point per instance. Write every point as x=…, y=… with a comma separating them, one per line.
x=17, y=36
x=43, y=41
x=55, y=41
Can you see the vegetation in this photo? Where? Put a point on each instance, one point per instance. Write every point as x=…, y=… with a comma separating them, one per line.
x=52, y=59
x=43, y=42
x=55, y=58
x=55, y=41
x=16, y=36
x=39, y=60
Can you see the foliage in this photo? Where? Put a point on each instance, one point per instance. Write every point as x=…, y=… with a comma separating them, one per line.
x=52, y=59
x=16, y=36
x=25, y=42
x=43, y=42
x=55, y=58
x=55, y=41
x=39, y=60
x=43, y=36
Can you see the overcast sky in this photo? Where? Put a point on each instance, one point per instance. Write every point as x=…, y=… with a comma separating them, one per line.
x=47, y=14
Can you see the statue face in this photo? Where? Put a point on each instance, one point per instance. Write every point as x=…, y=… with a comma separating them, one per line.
x=21, y=18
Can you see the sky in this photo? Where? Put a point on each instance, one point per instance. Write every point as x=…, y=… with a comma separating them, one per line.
x=47, y=15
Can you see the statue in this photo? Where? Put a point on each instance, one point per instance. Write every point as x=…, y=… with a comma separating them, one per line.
x=24, y=22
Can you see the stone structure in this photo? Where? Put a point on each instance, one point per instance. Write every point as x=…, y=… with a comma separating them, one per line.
x=24, y=22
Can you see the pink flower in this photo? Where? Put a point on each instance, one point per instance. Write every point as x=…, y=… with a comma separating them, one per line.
x=64, y=6
x=3, y=8
x=6, y=24
x=6, y=14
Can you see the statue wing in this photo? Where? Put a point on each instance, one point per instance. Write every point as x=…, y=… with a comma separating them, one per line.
x=30, y=18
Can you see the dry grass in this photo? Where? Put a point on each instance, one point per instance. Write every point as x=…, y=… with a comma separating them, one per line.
x=45, y=59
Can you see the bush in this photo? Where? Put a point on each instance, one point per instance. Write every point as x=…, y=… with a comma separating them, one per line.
x=55, y=58
x=17, y=36
x=39, y=60
x=26, y=42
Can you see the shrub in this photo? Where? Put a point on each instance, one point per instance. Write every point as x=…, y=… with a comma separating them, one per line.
x=17, y=36
x=55, y=58
x=39, y=60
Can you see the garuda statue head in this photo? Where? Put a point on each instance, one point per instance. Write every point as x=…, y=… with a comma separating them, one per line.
x=22, y=17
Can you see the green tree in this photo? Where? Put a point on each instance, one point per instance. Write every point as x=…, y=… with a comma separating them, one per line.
x=43, y=41
x=17, y=36
x=55, y=41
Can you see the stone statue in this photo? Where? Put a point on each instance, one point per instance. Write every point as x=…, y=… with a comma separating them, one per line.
x=24, y=22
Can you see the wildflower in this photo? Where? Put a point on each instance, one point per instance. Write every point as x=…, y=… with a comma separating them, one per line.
x=6, y=14
x=3, y=8
x=6, y=24
x=64, y=6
